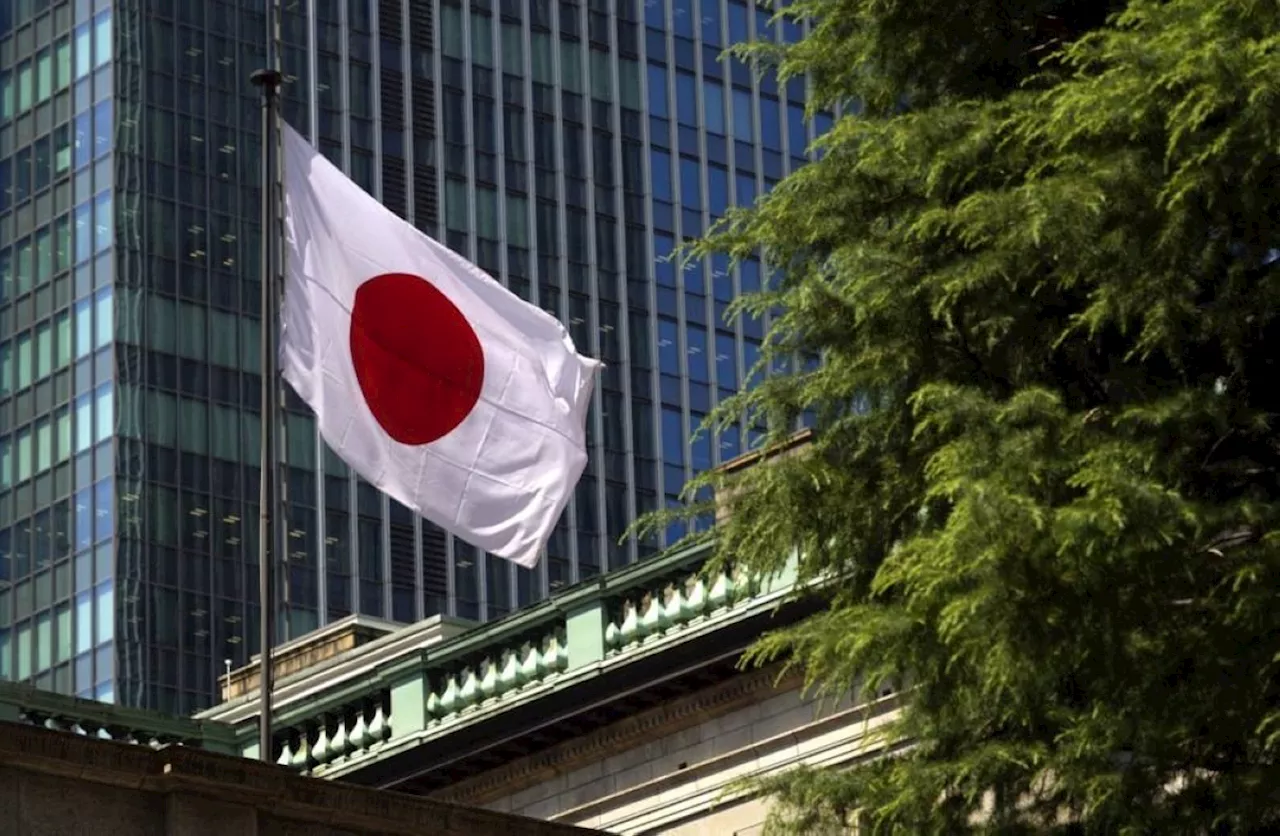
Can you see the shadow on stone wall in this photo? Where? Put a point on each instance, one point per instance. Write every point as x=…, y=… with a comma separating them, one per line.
x=54, y=782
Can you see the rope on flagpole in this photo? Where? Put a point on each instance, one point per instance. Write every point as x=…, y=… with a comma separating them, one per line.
x=268, y=81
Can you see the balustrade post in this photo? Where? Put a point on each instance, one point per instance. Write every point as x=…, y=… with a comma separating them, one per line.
x=409, y=693
x=584, y=628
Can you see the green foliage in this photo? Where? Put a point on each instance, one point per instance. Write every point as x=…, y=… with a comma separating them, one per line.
x=1044, y=487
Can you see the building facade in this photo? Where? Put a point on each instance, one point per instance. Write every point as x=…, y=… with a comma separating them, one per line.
x=566, y=147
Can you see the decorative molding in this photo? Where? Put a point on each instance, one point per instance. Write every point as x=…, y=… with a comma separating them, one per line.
x=670, y=718
x=849, y=736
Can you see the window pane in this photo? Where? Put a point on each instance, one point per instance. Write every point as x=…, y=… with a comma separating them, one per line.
x=84, y=423
x=194, y=429
x=481, y=39
x=451, y=43
x=629, y=83
x=658, y=91
x=84, y=328
x=24, y=456
x=104, y=311
x=673, y=437
x=6, y=370
x=65, y=635
x=103, y=222
x=687, y=98
x=102, y=39
x=63, y=64
x=770, y=124
x=24, y=361
x=106, y=613
x=517, y=221
x=44, y=350
x=660, y=162
x=487, y=214
x=690, y=184
x=84, y=51
x=44, y=446
x=543, y=69
x=103, y=127
x=105, y=411
x=512, y=49
x=44, y=76
x=44, y=642
x=571, y=66
x=743, y=121
x=191, y=331
x=25, y=87
x=84, y=232
x=713, y=93
x=84, y=622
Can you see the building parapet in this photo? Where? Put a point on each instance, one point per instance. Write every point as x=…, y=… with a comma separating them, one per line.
x=25, y=705
x=396, y=692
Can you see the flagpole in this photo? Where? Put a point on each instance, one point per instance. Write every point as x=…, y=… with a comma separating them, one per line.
x=268, y=81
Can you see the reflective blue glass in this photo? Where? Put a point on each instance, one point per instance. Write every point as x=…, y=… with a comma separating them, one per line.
x=103, y=127
x=694, y=279
x=717, y=190
x=84, y=622
x=821, y=124
x=83, y=140
x=104, y=511
x=743, y=120
x=655, y=14
x=726, y=361
x=713, y=105
x=797, y=130
x=686, y=98
x=682, y=17
x=103, y=223
x=668, y=346
x=105, y=606
x=663, y=268
x=84, y=232
x=699, y=370
x=738, y=32
x=770, y=123
x=690, y=184
x=710, y=10
x=84, y=519
x=673, y=437
x=658, y=91
x=660, y=166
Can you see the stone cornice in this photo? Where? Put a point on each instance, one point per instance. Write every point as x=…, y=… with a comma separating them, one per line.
x=852, y=734
x=269, y=788
x=670, y=718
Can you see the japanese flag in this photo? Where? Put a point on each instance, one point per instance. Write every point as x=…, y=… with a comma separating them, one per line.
x=432, y=381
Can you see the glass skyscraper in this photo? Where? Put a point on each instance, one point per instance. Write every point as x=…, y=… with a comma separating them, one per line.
x=566, y=147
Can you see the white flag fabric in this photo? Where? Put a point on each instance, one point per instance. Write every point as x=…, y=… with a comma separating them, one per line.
x=430, y=379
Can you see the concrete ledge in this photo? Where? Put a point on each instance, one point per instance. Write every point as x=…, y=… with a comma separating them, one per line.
x=265, y=796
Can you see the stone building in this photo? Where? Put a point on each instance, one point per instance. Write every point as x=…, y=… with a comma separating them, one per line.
x=55, y=782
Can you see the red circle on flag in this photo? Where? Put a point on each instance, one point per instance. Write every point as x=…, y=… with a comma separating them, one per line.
x=417, y=358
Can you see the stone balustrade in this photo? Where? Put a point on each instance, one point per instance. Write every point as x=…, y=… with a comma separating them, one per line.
x=57, y=712
x=503, y=672
x=653, y=611
x=370, y=701
x=337, y=735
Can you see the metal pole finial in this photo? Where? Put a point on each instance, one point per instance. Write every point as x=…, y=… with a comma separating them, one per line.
x=268, y=79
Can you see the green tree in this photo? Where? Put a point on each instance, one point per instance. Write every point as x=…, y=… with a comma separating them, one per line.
x=1039, y=268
